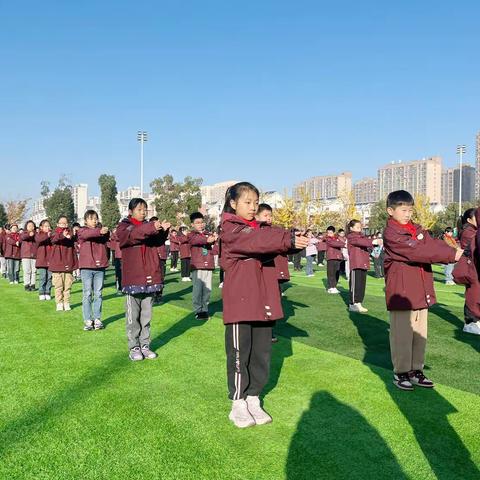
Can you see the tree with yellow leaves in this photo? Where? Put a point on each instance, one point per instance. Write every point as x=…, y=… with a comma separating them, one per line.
x=285, y=215
x=422, y=213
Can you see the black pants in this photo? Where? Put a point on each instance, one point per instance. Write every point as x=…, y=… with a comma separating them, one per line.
x=297, y=261
x=174, y=260
x=117, y=262
x=249, y=347
x=163, y=267
x=185, y=266
x=378, y=264
x=358, y=282
x=469, y=316
x=320, y=257
x=222, y=275
x=333, y=272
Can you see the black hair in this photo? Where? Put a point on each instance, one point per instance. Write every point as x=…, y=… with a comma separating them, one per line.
x=341, y=230
x=448, y=230
x=351, y=224
x=153, y=219
x=463, y=220
x=173, y=230
x=75, y=224
x=30, y=221
x=399, y=198
x=183, y=229
x=234, y=193
x=62, y=216
x=331, y=228
x=135, y=202
x=44, y=221
x=195, y=216
x=90, y=213
x=264, y=207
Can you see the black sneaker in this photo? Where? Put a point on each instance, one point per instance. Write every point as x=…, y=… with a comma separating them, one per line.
x=201, y=316
x=402, y=381
x=419, y=379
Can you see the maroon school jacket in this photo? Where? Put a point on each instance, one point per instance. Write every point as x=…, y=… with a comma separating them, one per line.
x=140, y=260
x=334, y=248
x=322, y=244
x=174, y=245
x=44, y=248
x=2, y=244
x=469, y=238
x=92, y=246
x=63, y=257
x=201, y=251
x=162, y=252
x=250, y=289
x=12, y=250
x=114, y=245
x=358, y=254
x=408, y=266
x=184, y=246
x=28, y=246
x=281, y=265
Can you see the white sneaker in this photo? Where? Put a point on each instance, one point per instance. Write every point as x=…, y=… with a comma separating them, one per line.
x=41, y=297
x=11, y=283
x=59, y=307
x=185, y=279
x=48, y=297
x=361, y=308
x=260, y=416
x=66, y=307
x=220, y=285
x=473, y=327
x=353, y=308
x=240, y=415
x=332, y=290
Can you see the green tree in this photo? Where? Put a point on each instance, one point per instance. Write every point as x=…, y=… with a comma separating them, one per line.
x=109, y=210
x=3, y=215
x=378, y=216
x=167, y=198
x=449, y=217
x=321, y=221
x=190, y=196
x=60, y=202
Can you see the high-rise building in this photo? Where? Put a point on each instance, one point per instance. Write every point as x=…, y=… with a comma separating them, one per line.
x=366, y=191
x=328, y=187
x=216, y=192
x=417, y=177
x=468, y=183
x=447, y=186
x=80, y=199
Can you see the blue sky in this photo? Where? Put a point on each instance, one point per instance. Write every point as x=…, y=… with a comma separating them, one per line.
x=267, y=91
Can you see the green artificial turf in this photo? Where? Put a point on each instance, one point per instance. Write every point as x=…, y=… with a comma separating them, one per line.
x=72, y=406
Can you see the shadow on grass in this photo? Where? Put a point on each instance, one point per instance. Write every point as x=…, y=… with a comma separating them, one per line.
x=334, y=441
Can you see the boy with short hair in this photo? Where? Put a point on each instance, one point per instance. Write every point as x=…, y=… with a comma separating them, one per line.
x=202, y=264
x=409, y=254
x=334, y=259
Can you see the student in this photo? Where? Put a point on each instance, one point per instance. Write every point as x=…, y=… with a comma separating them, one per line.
x=141, y=274
x=202, y=264
x=448, y=269
x=358, y=254
x=321, y=249
x=162, y=257
x=409, y=253
x=334, y=259
x=12, y=254
x=75, y=228
x=28, y=253
x=378, y=257
x=174, y=248
x=44, y=247
x=117, y=259
x=310, y=252
x=344, y=266
x=63, y=262
x=3, y=262
x=251, y=299
x=468, y=233
x=92, y=262
x=185, y=253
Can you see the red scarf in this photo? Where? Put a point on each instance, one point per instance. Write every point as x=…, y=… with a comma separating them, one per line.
x=252, y=223
x=409, y=227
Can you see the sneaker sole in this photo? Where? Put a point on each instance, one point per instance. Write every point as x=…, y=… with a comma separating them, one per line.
x=405, y=389
x=423, y=386
x=265, y=421
x=135, y=359
x=250, y=424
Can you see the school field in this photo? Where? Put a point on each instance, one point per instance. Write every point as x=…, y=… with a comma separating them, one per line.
x=72, y=405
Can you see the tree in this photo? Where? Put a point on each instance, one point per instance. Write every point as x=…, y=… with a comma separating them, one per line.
x=322, y=220
x=284, y=216
x=109, y=210
x=349, y=209
x=167, y=198
x=15, y=210
x=378, y=216
x=3, y=215
x=302, y=216
x=422, y=213
x=190, y=196
x=60, y=202
x=449, y=217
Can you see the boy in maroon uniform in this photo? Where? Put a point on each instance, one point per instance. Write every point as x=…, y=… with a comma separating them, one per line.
x=334, y=259
x=44, y=247
x=28, y=252
x=185, y=253
x=409, y=254
x=174, y=248
x=202, y=264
